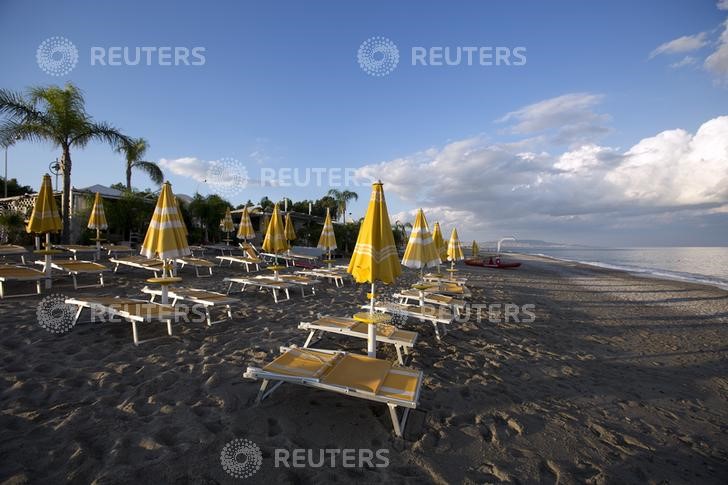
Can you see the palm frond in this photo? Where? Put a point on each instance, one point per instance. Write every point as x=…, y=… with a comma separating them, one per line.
x=98, y=131
x=151, y=169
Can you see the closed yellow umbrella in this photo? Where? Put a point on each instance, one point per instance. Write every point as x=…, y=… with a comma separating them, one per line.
x=275, y=239
x=454, y=250
x=289, y=230
x=97, y=221
x=264, y=221
x=165, y=238
x=375, y=256
x=45, y=219
x=227, y=225
x=421, y=251
x=327, y=240
x=245, y=230
x=475, y=249
x=439, y=243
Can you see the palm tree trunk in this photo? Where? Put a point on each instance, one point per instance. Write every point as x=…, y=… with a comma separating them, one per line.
x=128, y=177
x=66, y=197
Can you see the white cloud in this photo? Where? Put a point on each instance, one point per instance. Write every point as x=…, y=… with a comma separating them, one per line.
x=567, y=119
x=717, y=62
x=475, y=183
x=685, y=61
x=190, y=167
x=682, y=44
x=722, y=5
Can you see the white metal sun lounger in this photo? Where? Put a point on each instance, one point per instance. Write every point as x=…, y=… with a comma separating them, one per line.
x=13, y=250
x=196, y=263
x=353, y=375
x=443, y=278
x=302, y=282
x=408, y=296
x=428, y=313
x=74, y=268
x=10, y=273
x=138, y=262
x=335, y=276
x=247, y=262
x=261, y=283
x=114, y=250
x=222, y=249
x=403, y=340
x=134, y=311
x=77, y=249
x=208, y=299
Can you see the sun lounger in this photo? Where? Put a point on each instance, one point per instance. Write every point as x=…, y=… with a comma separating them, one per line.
x=349, y=374
x=301, y=281
x=74, y=268
x=197, y=251
x=114, y=250
x=336, y=278
x=443, y=278
x=261, y=282
x=196, y=263
x=76, y=249
x=428, y=313
x=449, y=289
x=403, y=340
x=450, y=302
x=208, y=299
x=245, y=261
x=13, y=250
x=138, y=262
x=222, y=249
x=134, y=311
x=19, y=273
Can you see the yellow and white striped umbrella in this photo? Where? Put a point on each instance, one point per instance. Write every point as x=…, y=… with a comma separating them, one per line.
x=264, y=222
x=275, y=239
x=226, y=223
x=454, y=248
x=44, y=217
x=245, y=230
x=327, y=241
x=421, y=251
x=475, y=249
x=375, y=256
x=97, y=220
x=439, y=242
x=165, y=238
x=289, y=230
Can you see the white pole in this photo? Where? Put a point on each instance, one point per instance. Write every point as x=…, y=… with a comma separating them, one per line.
x=372, y=331
x=165, y=291
x=47, y=266
x=98, y=243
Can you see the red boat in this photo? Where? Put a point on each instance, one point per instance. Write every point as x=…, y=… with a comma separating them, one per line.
x=491, y=263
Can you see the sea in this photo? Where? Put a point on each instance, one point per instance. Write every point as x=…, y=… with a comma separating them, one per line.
x=706, y=265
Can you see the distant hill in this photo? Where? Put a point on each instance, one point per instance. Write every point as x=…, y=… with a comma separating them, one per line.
x=528, y=244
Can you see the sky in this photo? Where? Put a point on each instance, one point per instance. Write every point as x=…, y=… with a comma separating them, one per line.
x=610, y=128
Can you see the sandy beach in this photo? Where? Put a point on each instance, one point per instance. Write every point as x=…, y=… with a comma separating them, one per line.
x=619, y=379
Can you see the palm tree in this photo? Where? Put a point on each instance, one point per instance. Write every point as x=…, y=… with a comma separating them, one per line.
x=134, y=151
x=342, y=198
x=57, y=115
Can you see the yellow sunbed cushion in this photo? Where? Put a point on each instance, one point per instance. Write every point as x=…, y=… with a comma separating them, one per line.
x=302, y=363
x=400, y=383
x=358, y=372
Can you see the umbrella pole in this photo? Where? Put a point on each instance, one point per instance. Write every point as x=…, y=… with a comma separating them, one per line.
x=47, y=266
x=98, y=243
x=372, y=330
x=165, y=291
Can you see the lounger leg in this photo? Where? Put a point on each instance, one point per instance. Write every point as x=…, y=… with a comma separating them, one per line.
x=230, y=288
x=101, y=279
x=2, y=289
x=37, y=286
x=229, y=312
x=77, y=316
x=209, y=318
x=134, y=333
x=398, y=425
x=75, y=283
x=437, y=331
x=309, y=339
x=169, y=327
x=399, y=354
x=275, y=295
x=261, y=392
x=288, y=295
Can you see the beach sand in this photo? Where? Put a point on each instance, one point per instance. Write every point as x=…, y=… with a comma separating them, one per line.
x=619, y=379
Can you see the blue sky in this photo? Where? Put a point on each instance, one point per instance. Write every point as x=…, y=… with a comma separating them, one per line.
x=281, y=87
